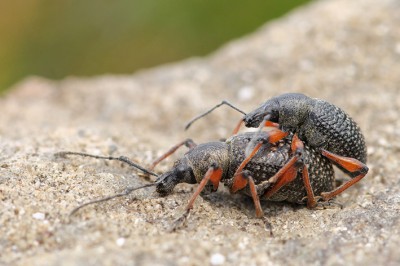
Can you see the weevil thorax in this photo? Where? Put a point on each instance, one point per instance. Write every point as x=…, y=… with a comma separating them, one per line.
x=192, y=167
x=204, y=155
x=290, y=110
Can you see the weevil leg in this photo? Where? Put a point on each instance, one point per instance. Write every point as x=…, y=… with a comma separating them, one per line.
x=214, y=175
x=311, y=200
x=284, y=176
x=241, y=181
x=266, y=123
x=243, y=165
x=254, y=195
x=237, y=128
x=189, y=143
x=273, y=136
x=353, y=166
x=224, y=102
x=289, y=172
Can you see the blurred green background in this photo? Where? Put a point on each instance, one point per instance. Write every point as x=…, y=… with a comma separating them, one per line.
x=55, y=39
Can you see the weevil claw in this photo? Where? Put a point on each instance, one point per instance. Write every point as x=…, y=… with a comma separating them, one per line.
x=181, y=221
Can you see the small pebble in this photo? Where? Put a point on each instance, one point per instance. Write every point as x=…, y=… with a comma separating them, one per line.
x=246, y=93
x=120, y=241
x=217, y=259
x=38, y=216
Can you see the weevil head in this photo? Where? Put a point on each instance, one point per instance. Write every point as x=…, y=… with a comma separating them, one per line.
x=270, y=108
x=289, y=110
x=194, y=165
x=180, y=173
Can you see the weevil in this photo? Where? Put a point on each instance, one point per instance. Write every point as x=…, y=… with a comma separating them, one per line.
x=320, y=125
x=212, y=163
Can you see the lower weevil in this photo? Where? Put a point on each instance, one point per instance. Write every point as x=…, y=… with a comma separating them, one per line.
x=262, y=174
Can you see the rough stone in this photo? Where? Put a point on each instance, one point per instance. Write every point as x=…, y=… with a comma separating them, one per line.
x=346, y=52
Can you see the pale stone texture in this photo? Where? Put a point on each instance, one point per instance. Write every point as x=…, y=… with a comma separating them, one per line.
x=346, y=52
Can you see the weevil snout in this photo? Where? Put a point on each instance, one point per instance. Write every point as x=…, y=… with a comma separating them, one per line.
x=253, y=119
x=166, y=183
x=256, y=117
x=181, y=173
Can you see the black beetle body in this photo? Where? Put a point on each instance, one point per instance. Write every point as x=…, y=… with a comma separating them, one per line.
x=318, y=123
x=192, y=167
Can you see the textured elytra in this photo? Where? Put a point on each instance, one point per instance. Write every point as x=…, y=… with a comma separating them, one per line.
x=342, y=135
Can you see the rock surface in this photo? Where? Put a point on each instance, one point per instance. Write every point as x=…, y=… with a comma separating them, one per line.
x=346, y=52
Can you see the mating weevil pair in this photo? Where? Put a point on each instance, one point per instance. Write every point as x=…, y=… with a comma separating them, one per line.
x=291, y=162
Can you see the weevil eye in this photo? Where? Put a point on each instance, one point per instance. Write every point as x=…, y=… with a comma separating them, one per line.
x=180, y=171
x=184, y=174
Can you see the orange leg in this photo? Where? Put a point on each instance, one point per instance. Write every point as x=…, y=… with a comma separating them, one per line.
x=254, y=195
x=188, y=143
x=237, y=183
x=284, y=176
x=311, y=200
x=273, y=136
x=289, y=172
x=237, y=128
x=354, y=166
x=241, y=181
x=241, y=178
x=213, y=175
x=271, y=124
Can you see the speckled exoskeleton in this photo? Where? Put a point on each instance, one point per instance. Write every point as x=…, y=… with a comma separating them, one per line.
x=320, y=125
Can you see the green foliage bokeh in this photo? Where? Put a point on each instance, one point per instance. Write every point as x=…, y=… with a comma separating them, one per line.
x=59, y=38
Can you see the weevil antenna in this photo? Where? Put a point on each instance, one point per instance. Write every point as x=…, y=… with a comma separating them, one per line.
x=121, y=159
x=212, y=109
x=122, y=194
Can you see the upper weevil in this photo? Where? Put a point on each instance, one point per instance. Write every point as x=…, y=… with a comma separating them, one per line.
x=317, y=123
